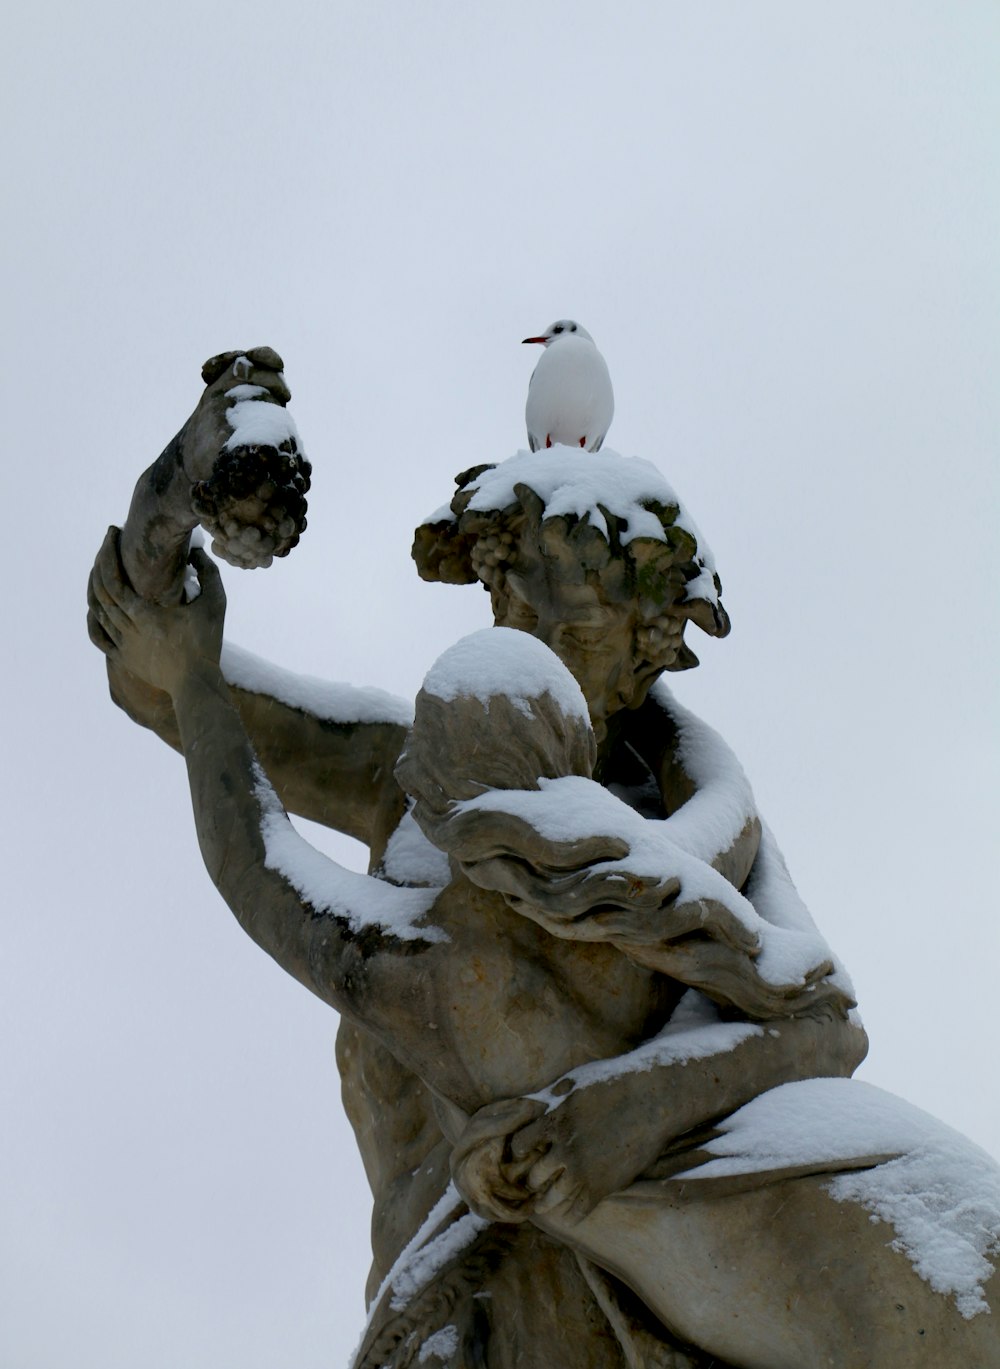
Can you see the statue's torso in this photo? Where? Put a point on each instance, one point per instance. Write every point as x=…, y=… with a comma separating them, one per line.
x=517, y=1009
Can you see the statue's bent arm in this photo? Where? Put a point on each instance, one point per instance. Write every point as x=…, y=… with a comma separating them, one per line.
x=177, y=651
x=362, y=972
x=558, y=1150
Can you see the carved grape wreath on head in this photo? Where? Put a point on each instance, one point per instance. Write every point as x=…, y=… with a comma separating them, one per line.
x=481, y=545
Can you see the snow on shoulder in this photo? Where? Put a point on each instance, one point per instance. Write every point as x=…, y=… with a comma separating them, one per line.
x=336, y=703
x=360, y=902
x=502, y=660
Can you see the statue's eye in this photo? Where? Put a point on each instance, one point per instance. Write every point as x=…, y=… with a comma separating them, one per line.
x=558, y=328
x=586, y=637
x=572, y=327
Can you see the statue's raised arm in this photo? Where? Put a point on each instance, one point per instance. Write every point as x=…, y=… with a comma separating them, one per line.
x=236, y=468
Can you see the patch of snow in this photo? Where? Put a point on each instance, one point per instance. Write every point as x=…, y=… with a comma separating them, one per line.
x=503, y=660
x=442, y=1345
x=243, y=364
x=572, y=483
x=677, y=1044
x=694, y=1010
x=712, y=819
x=191, y=583
x=338, y=703
x=571, y=808
x=772, y=893
x=425, y=1265
x=424, y=1255
x=410, y=858
x=715, y=815
x=941, y=1195
x=448, y=1203
x=259, y=423
x=703, y=584
x=359, y=900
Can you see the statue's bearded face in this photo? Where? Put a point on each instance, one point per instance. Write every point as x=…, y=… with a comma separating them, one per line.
x=613, y=654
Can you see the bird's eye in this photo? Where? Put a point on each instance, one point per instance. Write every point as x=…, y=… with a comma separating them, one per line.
x=558, y=328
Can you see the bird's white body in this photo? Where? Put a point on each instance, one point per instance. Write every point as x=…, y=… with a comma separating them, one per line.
x=570, y=399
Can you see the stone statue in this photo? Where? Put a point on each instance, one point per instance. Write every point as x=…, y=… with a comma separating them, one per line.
x=595, y=1053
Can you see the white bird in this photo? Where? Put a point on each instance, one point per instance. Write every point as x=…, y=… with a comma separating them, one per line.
x=570, y=399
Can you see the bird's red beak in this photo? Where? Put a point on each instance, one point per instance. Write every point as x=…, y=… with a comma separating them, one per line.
x=542, y=340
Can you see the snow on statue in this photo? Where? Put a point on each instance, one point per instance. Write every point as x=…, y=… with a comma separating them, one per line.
x=595, y=1052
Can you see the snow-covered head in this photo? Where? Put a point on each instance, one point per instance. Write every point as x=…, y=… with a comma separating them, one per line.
x=596, y=559
x=497, y=710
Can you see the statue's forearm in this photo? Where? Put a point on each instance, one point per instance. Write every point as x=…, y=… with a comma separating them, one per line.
x=154, y=539
x=337, y=932
x=228, y=813
x=666, y=1088
x=826, y=1044
x=602, y=1126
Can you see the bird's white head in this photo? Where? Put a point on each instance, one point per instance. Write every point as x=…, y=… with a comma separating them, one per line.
x=563, y=327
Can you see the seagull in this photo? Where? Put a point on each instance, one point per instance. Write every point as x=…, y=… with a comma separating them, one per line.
x=570, y=400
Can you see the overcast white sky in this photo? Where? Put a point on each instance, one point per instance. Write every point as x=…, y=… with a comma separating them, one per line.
x=780, y=222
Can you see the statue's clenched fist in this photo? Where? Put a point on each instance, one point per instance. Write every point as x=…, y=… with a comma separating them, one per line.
x=161, y=645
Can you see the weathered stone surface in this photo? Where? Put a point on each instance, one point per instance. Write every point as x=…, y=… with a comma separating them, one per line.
x=541, y=1035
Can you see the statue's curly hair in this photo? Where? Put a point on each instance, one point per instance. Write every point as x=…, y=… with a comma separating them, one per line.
x=470, y=545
